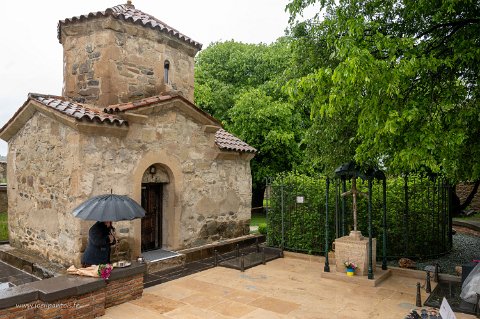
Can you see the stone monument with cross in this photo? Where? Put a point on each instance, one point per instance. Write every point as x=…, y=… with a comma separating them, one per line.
x=354, y=247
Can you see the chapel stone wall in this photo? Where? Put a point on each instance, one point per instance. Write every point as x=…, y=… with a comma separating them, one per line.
x=210, y=197
x=42, y=189
x=107, y=61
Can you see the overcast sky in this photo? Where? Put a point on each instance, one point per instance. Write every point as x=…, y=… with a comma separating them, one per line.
x=31, y=56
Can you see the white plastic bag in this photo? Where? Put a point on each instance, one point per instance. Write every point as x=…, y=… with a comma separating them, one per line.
x=471, y=285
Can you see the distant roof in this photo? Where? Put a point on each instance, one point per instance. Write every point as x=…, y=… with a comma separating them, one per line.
x=229, y=142
x=128, y=13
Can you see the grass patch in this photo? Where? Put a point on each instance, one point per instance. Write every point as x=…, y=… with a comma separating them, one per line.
x=3, y=226
x=474, y=217
x=258, y=218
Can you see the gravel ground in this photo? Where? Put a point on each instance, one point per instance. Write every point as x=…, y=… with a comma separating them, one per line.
x=466, y=247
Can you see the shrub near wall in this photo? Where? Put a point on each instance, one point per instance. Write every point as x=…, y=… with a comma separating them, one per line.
x=303, y=223
x=409, y=231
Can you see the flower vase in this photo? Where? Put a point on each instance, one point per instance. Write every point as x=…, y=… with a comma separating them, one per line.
x=350, y=272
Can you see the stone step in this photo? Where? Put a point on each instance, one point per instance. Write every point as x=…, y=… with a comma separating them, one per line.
x=379, y=276
x=224, y=246
x=195, y=259
x=175, y=261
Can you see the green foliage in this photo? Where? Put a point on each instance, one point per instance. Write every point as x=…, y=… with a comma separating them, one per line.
x=409, y=232
x=226, y=69
x=268, y=125
x=257, y=219
x=262, y=228
x=3, y=226
x=396, y=83
x=240, y=84
x=303, y=224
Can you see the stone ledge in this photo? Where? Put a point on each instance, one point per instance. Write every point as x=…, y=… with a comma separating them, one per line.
x=420, y=274
x=305, y=257
x=30, y=262
x=470, y=225
x=61, y=287
x=380, y=276
x=206, y=251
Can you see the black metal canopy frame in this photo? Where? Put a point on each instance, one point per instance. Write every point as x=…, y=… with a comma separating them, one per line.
x=352, y=171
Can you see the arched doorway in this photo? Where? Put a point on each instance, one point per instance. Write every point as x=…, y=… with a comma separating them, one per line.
x=153, y=201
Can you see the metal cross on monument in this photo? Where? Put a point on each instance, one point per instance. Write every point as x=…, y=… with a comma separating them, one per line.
x=354, y=192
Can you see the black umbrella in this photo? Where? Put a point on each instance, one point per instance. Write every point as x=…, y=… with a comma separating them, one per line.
x=109, y=207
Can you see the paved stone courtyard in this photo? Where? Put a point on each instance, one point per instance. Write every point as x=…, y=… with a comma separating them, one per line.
x=284, y=288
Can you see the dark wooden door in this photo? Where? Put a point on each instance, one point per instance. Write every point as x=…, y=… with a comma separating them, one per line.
x=152, y=222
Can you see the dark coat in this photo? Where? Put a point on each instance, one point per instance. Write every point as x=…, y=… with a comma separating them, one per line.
x=98, y=248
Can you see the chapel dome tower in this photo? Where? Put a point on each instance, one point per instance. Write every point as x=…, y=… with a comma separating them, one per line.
x=123, y=54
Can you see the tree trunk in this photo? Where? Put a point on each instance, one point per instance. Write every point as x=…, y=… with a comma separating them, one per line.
x=458, y=207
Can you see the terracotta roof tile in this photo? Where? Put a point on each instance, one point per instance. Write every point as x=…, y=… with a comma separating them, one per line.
x=76, y=110
x=137, y=104
x=228, y=142
x=116, y=108
x=127, y=12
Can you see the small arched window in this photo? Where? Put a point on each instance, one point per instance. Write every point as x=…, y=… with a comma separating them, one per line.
x=166, y=68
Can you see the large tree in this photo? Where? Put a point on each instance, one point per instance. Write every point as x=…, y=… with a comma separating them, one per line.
x=396, y=84
x=241, y=85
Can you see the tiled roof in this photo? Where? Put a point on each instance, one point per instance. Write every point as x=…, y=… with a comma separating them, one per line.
x=137, y=104
x=153, y=100
x=76, y=110
x=127, y=12
x=223, y=139
x=229, y=142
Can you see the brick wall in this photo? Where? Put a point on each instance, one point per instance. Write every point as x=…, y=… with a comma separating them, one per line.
x=89, y=305
x=123, y=290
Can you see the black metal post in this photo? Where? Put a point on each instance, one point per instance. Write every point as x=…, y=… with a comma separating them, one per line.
x=384, y=244
x=256, y=245
x=268, y=187
x=283, y=222
x=215, y=258
x=405, y=218
x=418, y=302
x=337, y=217
x=435, y=274
x=242, y=263
x=450, y=217
x=476, y=308
x=326, y=268
x=428, y=287
x=344, y=189
x=263, y=257
x=370, y=241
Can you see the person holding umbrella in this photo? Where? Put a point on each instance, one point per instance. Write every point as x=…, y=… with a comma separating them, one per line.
x=100, y=237
x=104, y=209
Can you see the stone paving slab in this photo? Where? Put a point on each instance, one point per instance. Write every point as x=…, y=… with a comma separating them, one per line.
x=284, y=288
x=13, y=276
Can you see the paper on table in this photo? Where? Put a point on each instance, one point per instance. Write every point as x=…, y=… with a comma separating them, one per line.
x=446, y=311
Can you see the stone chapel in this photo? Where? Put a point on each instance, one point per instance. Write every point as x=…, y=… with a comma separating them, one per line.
x=125, y=123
